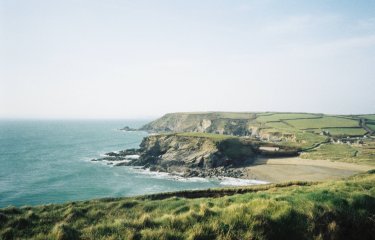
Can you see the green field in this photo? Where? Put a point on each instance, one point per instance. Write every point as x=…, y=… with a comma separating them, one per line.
x=278, y=125
x=346, y=131
x=324, y=122
x=371, y=126
x=281, y=116
x=330, y=210
x=369, y=116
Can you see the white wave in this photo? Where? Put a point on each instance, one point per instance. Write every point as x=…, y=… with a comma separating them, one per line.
x=131, y=157
x=168, y=176
x=228, y=181
x=104, y=163
x=116, y=162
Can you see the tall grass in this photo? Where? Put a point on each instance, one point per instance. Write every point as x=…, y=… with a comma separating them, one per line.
x=342, y=209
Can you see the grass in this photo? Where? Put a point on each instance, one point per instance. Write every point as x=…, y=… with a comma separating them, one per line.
x=362, y=154
x=341, y=132
x=342, y=209
x=213, y=136
x=236, y=115
x=281, y=116
x=369, y=116
x=278, y=125
x=371, y=126
x=301, y=139
x=324, y=122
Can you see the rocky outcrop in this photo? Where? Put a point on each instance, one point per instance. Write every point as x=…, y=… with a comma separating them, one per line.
x=194, y=156
x=120, y=158
x=127, y=128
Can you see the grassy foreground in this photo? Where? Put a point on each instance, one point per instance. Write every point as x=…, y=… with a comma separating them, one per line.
x=342, y=209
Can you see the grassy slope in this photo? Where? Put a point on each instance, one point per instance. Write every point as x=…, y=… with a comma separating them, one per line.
x=342, y=209
x=362, y=154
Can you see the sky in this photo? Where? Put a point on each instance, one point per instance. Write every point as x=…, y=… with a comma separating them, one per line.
x=139, y=59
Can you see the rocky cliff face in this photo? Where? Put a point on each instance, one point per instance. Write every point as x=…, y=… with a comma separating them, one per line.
x=216, y=122
x=193, y=156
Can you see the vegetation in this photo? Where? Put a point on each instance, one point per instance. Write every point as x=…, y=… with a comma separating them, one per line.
x=215, y=137
x=342, y=209
x=368, y=116
x=372, y=126
x=323, y=122
x=363, y=154
x=342, y=132
x=278, y=125
x=283, y=116
x=303, y=131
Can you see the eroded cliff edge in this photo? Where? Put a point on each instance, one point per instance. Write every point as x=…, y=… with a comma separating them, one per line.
x=193, y=154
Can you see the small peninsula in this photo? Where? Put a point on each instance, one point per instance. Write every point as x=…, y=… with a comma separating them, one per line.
x=268, y=146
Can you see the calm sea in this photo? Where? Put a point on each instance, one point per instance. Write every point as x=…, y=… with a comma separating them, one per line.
x=48, y=161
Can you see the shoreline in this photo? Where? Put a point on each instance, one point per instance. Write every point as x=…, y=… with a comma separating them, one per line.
x=262, y=170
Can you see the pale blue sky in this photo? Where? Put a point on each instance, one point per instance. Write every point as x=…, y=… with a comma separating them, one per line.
x=129, y=59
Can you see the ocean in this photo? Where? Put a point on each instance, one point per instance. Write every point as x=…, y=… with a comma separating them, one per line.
x=49, y=161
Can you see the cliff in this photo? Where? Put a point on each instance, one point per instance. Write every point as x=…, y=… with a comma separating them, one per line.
x=208, y=122
x=192, y=154
x=196, y=154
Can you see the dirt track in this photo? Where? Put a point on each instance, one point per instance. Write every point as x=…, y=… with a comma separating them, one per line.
x=290, y=169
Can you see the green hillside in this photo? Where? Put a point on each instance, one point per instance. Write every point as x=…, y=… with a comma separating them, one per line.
x=342, y=209
x=318, y=136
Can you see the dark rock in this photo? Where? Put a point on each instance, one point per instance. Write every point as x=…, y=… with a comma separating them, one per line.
x=127, y=128
x=112, y=154
x=131, y=151
x=121, y=164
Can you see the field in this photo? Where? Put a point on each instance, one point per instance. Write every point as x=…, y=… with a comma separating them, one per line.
x=369, y=116
x=324, y=122
x=282, y=116
x=346, y=131
x=372, y=126
x=278, y=125
x=342, y=209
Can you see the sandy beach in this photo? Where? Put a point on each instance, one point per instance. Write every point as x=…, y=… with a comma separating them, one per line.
x=298, y=169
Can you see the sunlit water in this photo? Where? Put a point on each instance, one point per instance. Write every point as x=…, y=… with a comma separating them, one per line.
x=49, y=162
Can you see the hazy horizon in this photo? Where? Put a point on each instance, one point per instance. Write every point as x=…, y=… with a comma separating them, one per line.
x=142, y=59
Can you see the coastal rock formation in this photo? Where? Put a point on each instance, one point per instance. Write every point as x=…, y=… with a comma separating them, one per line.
x=127, y=128
x=194, y=155
x=237, y=124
